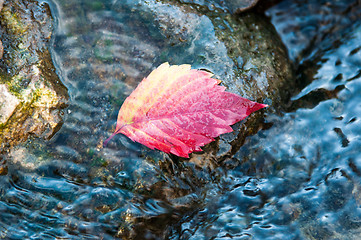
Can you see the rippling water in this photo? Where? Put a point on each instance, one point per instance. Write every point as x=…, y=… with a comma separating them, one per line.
x=299, y=179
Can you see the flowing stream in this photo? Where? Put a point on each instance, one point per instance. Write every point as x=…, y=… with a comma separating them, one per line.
x=297, y=179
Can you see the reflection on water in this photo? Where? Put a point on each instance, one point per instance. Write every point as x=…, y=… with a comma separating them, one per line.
x=300, y=179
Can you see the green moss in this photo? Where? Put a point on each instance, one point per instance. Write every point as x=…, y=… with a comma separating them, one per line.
x=12, y=22
x=91, y=152
x=99, y=161
x=118, y=90
x=36, y=95
x=96, y=160
x=103, y=52
x=95, y=5
x=15, y=85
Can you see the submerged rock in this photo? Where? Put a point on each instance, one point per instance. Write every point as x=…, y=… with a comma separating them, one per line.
x=245, y=52
x=1, y=44
x=32, y=96
x=240, y=5
x=321, y=19
x=232, y=6
x=1, y=50
x=128, y=42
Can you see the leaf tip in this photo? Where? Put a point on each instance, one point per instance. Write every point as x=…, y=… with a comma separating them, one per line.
x=259, y=106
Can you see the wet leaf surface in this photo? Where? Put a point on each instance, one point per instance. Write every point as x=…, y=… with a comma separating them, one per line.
x=177, y=110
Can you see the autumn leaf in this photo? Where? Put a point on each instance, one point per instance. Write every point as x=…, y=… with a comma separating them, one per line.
x=177, y=110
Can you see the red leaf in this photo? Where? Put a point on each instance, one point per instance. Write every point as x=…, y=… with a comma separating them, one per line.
x=177, y=110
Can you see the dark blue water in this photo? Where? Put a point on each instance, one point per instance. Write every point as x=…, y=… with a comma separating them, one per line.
x=297, y=179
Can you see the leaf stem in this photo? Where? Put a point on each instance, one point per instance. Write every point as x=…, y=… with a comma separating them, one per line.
x=109, y=138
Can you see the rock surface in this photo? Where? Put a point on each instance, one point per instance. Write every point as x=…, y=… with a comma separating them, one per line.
x=1, y=50
x=245, y=52
x=32, y=96
x=232, y=6
x=128, y=42
x=239, y=6
x=1, y=44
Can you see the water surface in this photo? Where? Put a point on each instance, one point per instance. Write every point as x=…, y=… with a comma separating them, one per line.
x=298, y=179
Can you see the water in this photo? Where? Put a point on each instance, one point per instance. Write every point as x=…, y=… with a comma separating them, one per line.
x=298, y=179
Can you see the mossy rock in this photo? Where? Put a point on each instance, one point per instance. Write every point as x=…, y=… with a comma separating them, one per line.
x=32, y=96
